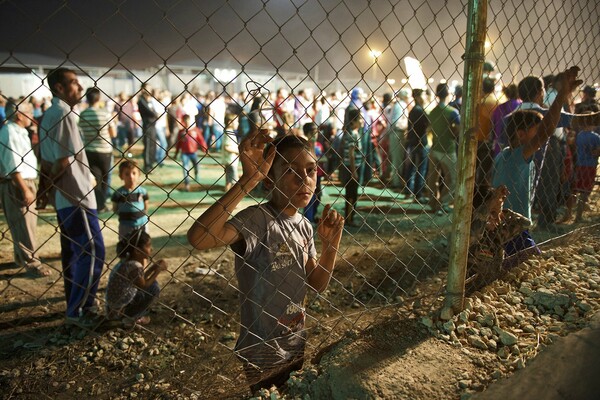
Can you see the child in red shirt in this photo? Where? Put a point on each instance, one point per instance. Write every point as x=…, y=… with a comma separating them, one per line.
x=189, y=140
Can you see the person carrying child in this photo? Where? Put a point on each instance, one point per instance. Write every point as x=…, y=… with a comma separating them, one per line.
x=132, y=286
x=130, y=201
x=276, y=259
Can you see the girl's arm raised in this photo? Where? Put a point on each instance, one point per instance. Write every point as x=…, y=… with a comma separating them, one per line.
x=211, y=229
x=329, y=231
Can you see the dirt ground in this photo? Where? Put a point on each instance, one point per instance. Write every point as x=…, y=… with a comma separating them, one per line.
x=389, y=276
x=411, y=354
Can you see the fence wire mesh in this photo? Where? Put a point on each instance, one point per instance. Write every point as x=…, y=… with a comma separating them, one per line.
x=157, y=107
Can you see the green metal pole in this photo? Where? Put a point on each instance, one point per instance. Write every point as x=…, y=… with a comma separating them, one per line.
x=467, y=154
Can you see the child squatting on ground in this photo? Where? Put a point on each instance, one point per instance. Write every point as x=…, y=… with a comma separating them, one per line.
x=276, y=259
x=491, y=228
x=527, y=131
x=132, y=285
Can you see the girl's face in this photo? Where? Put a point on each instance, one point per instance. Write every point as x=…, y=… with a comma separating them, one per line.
x=144, y=250
x=294, y=177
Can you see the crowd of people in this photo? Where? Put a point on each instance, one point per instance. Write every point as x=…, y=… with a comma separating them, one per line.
x=531, y=153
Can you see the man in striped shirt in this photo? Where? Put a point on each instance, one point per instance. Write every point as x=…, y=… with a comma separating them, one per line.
x=98, y=131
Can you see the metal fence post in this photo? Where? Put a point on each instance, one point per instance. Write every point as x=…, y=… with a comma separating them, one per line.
x=467, y=153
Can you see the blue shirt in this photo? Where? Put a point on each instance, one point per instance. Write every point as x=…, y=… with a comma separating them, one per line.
x=512, y=170
x=130, y=206
x=587, y=142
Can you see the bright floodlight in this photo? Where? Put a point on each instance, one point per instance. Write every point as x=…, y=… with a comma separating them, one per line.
x=416, y=78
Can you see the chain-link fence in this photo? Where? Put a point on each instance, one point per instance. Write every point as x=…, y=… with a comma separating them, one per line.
x=162, y=103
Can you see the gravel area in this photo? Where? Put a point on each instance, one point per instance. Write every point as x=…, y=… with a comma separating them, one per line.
x=403, y=353
x=502, y=328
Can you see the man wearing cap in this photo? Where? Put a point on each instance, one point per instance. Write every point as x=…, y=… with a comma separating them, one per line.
x=589, y=98
x=18, y=174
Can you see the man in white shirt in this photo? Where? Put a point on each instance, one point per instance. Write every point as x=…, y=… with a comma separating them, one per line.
x=217, y=110
x=396, y=115
x=18, y=189
x=66, y=167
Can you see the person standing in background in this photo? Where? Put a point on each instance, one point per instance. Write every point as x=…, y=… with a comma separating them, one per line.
x=487, y=105
x=65, y=168
x=396, y=115
x=500, y=141
x=18, y=189
x=126, y=122
x=159, y=99
x=98, y=132
x=415, y=165
x=149, y=116
x=441, y=174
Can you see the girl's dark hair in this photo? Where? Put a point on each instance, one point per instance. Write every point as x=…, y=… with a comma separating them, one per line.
x=287, y=142
x=284, y=143
x=135, y=240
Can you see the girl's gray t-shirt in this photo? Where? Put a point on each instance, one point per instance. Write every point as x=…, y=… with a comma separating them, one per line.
x=270, y=268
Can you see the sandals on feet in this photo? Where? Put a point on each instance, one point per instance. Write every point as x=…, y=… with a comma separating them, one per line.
x=129, y=323
x=37, y=271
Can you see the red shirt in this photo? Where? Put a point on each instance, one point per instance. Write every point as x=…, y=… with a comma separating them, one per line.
x=188, y=141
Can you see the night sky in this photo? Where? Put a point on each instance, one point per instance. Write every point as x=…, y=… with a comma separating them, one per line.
x=317, y=37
